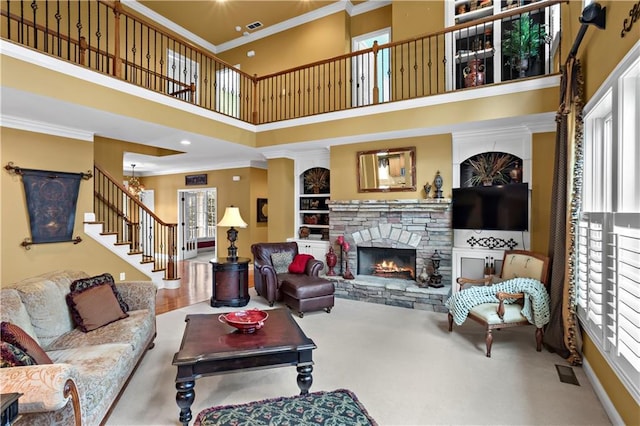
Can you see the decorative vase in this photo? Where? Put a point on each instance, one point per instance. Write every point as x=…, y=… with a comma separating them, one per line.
x=473, y=73
x=332, y=261
x=516, y=174
x=347, y=272
x=437, y=182
x=423, y=278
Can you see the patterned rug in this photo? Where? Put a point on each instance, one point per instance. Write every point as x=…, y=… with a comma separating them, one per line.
x=339, y=407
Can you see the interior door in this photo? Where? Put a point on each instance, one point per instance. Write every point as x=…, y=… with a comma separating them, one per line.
x=188, y=225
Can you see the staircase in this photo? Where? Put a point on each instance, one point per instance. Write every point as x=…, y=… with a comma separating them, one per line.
x=126, y=227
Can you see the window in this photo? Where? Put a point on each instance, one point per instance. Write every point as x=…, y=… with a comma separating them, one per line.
x=362, y=68
x=608, y=237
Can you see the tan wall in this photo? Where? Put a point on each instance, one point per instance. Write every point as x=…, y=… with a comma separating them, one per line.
x=624, y=403
x=542, y=152
x=38, y=151
x=109, y=153
x=415, y=18
x=281, y=198
x=229, y=193
x=600, y=52
x=371, y=21
x=433, y=153
x=495, y=107
x=315, y=41
x=49, y=83
x=259, y=189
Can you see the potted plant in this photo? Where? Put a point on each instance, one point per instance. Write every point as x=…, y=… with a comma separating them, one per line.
x=489, y=168
x=522, y=42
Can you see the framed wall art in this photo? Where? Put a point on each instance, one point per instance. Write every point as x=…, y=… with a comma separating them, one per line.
x=190, y=180
x=263, y=210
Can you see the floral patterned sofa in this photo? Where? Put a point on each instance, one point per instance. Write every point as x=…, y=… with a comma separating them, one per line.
x=89, y=369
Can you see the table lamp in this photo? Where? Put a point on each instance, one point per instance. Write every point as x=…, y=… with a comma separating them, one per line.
x=232, y=219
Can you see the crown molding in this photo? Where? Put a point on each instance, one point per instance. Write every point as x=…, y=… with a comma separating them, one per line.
x=156, y=17
x=270, y=154
x=44, y=128
x=367, y=6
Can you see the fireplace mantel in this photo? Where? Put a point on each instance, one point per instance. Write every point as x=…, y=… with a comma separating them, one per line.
x=433, y=204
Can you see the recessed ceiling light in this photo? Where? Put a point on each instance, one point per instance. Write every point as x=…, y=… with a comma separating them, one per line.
x=185, y=142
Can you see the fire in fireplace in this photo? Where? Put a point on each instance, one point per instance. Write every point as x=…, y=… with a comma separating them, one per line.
x=387, y=262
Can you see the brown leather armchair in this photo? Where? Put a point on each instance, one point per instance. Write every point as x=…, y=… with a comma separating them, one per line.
x=266, y=281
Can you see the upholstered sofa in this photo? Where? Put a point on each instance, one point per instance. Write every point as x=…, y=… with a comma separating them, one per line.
x=89, y=369
x=268, y=278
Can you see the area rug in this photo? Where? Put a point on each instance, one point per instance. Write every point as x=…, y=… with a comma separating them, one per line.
x=339, y=407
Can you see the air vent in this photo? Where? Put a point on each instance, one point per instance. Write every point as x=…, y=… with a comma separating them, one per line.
x=254, y=25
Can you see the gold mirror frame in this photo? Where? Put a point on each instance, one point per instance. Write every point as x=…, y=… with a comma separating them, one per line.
x=387, y=170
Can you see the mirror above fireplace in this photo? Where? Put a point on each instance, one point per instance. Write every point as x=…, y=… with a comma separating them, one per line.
x=387, y=170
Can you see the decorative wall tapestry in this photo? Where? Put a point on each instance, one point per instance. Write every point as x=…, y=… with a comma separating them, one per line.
x=51, y=202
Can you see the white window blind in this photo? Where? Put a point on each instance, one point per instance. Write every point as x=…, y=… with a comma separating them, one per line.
x=608, y=235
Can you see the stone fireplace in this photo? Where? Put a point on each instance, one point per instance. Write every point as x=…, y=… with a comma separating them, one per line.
x=416, y=227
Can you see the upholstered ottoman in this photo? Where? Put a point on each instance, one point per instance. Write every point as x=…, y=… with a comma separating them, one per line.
x=307, y=294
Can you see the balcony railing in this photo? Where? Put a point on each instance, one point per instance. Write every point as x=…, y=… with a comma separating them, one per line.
x=103, y=36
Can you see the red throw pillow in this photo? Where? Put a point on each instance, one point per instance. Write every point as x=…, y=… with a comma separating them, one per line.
x=17, y=337
x=299, y=263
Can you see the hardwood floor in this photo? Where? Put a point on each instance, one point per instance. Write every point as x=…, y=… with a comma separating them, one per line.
x=195, y=287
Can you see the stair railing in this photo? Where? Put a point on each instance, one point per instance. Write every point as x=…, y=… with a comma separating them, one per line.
x=124, y=215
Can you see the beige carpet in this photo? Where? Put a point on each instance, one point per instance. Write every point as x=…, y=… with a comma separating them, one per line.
x=403, y=364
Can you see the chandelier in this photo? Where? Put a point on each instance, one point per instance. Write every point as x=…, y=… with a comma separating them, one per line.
x=135, y=187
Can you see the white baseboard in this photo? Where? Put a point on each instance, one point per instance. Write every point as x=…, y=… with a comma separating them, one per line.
x=608, y=406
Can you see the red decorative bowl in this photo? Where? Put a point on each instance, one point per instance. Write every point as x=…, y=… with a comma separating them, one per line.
x=246, y=321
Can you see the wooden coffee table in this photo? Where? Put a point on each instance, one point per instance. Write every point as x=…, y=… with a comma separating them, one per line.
x=210, y=347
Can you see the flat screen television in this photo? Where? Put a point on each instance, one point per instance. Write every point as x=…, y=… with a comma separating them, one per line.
x=494, y=208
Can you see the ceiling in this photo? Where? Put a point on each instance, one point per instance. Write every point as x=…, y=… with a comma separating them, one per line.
x=217, y=19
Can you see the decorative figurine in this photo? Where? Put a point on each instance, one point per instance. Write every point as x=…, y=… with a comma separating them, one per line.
x=332, y=261
x=437, y=181
x=436, y=279
x=347, y=273
x=427, y=190
x=423, y=278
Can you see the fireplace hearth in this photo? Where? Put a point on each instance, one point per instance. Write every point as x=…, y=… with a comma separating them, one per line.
x=387, y=262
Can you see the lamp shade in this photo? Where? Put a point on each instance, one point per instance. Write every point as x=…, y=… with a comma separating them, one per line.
x=232, y=218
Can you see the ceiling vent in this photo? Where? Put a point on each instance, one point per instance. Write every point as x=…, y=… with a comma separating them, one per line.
x=254, y=25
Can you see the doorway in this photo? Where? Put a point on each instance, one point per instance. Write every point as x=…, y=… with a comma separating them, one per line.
x=362, y=68
x=197, y=219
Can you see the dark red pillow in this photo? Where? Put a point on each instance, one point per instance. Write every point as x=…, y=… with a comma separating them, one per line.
x=17, y=337
x=299, y=263
x=13, y=356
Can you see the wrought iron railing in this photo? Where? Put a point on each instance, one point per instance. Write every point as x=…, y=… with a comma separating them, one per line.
x=134, y=224
x=103, y=36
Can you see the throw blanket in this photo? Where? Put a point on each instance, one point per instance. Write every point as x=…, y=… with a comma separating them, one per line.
x=536, y=299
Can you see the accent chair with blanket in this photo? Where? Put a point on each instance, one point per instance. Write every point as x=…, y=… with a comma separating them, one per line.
x=517, y=297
